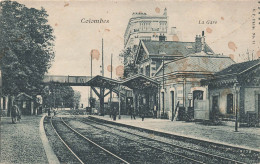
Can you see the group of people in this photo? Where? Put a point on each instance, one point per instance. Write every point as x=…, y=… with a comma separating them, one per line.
x=143, y=112
x=113, y=113
x=132, y=112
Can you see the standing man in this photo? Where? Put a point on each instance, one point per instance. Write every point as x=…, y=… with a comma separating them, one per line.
x=154, y=111
x=132, y=112
x=15, y=113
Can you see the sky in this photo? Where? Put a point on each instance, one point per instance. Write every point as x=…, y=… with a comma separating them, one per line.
x=231, y=35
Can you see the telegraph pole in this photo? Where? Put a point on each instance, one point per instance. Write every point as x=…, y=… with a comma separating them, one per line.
x=111, y=65
x=91, y=71
x=102, y=89
x=102, y=58
x=111, y=75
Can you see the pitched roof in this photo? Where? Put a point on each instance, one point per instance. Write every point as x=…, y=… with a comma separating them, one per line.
x=238, y=68
x=20, y=95
x=197, y=63
x=172, y=47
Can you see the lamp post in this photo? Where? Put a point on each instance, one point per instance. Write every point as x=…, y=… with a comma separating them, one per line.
x=236, y=89
x=163, y=96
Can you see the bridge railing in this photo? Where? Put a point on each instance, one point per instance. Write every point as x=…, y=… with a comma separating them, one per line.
x=66, y=79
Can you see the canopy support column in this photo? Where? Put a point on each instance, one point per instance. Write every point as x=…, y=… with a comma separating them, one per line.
x=101, y=98
x=119, y=101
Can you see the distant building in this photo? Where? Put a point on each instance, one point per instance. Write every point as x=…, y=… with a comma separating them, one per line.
x=145, y=27
x=25, y=104
x=239, y=83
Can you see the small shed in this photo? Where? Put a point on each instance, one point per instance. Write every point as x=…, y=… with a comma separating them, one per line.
x=235, y=92
x=25, y=103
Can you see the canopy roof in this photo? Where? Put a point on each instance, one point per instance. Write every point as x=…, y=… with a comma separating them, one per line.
x=100, y=81
x=138, y=81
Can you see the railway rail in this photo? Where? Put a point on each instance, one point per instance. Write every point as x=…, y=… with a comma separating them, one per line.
x=100, y=135
x=192, y=155
x=222, y=149
x=213, y=157
x=84, y=156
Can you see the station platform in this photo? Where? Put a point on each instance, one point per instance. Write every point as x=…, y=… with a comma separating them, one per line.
x=25, y=141
x=246, y=137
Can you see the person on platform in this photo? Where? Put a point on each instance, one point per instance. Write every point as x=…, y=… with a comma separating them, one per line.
x=154, y=111
x=142, y=111
x=114, y=113
x=132, y=110
x=15, y=113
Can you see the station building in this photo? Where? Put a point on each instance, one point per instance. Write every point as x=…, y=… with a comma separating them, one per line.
x=180, y=82
x=179, y=67
x=235, y=88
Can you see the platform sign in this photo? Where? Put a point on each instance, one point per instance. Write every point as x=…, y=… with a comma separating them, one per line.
x=189, y=96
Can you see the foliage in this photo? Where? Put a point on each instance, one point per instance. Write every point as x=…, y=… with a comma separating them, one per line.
x=92, y=102
x=26, y=44
x=76, y=98
x=59, y=96
x=128, y=56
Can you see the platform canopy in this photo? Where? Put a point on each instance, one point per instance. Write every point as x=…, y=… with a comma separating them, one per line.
x=103, y=82
x=140, y=82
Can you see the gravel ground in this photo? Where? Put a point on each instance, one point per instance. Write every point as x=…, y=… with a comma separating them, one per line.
x=61, y=151
x=84, y=150
x=21, y=142
x=235, y=155
x=246, y=137
x=132, y=152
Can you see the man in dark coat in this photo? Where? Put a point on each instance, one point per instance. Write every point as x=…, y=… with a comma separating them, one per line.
x=15, y=113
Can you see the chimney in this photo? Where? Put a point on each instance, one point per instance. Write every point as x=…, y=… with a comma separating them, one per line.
x=198, y=44
x=162, y=38
x=165, y=12
x=203, y=41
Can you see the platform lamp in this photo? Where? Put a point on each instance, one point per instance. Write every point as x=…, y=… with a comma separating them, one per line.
x=163, y=97
x=236, y=88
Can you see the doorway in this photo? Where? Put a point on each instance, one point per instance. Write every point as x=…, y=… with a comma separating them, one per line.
x=172, y=100
x=230, y=104
x=215, y=106
x=197, y=95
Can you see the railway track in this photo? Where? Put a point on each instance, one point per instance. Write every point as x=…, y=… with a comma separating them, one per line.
x=82, y=148
x=143, y=153
x=189, y=153
x=99, y=140
x=238, y=154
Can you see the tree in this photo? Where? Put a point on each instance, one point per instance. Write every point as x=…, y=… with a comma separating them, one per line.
x=26, y=44
x=77, y=97
x=59, y=96
x=92, y=102
x=128, y=56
